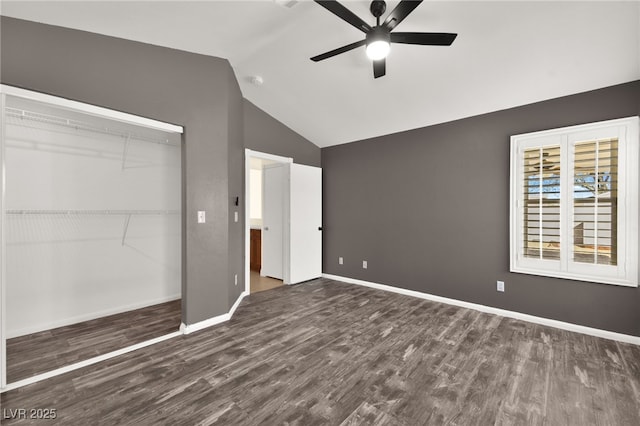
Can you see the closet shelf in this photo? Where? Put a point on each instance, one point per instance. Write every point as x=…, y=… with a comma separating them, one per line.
x=93, y=212
x=127, y=214
x=21, y=117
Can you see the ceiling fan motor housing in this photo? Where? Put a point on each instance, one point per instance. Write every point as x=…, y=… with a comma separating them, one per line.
x=377, y=8
x=378, y=33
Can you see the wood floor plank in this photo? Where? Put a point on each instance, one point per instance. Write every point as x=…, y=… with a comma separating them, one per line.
x=326, y=352
x=612, y=403
x=370, y=415
x=630, y=357
x=48, y=350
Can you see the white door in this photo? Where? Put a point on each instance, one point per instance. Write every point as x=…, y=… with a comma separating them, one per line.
x=305, y=223
x=273, y=188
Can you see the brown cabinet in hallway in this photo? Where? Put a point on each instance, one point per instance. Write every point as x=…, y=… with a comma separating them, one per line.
x=255, y=249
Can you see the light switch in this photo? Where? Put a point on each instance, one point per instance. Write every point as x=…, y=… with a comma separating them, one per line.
x=201, y=216
x=235, y=216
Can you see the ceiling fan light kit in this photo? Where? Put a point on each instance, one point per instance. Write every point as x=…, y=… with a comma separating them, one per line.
x=378, y=38
x=378, y=43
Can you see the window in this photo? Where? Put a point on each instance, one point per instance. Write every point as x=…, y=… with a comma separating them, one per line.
x=574, y=202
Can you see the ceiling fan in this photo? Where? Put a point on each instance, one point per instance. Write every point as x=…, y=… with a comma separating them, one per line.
x=379, y=37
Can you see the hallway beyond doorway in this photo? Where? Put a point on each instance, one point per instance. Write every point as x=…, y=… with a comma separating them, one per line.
x=259, y=283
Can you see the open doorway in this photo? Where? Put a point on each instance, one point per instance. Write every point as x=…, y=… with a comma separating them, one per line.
x=265, y=220
x=291, y=222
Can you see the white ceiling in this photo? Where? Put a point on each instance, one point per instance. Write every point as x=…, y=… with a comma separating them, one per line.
x=507, y=53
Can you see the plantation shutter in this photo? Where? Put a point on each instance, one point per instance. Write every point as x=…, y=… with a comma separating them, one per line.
x=575, y=202
x=595, y=202
x=541, y=202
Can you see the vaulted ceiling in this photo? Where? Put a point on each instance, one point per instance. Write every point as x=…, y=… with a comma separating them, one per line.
x=507, y=53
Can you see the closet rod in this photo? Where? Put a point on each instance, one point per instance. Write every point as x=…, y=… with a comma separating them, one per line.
x=90, y=109
x=38, y=117
x=93, y=212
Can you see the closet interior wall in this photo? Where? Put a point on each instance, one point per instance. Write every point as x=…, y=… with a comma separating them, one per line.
x=92, y=216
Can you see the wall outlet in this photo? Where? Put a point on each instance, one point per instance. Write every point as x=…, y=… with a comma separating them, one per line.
x=500, y=285
x=202, y=218
x=340, y=261
x=364, y=264
x=235, y=279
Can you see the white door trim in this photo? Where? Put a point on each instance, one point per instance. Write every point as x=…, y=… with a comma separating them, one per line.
x=248, y=154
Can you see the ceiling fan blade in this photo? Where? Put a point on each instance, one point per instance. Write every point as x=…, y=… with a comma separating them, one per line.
x=429, y=39
x=338, y=51
x=397, y=15
x=345, y=14
x=379, y=68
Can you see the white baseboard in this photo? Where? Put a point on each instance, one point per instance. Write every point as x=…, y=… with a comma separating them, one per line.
x=237, y=303
x=88, y=317
x=188, y=329
x=87, y=362
x=184, y=329
x=626, y=338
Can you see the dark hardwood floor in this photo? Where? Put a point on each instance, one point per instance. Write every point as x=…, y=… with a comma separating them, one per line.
x=326, y=352
x=40, y=352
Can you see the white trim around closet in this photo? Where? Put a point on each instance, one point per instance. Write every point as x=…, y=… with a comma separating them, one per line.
x=93, y=110
x=88, y=362
x=184, y=330
x=90, y=109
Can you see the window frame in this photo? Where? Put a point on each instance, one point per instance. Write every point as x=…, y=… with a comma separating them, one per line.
x=625, y=273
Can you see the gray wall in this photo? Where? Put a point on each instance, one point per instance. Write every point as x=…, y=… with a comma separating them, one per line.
x=195, y=91
x=429, y=210
x=198, y=92
x=266, y=134
x=236, y=189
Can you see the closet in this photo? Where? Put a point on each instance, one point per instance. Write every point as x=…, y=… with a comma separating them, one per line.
x=91, y=225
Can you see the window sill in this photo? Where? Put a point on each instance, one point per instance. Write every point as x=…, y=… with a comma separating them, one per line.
x=576, y=277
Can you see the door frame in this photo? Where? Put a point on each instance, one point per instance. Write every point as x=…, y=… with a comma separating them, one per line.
x=248, y=155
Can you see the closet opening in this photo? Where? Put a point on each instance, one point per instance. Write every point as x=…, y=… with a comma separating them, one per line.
x=91, y=233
